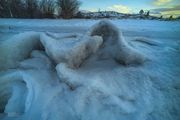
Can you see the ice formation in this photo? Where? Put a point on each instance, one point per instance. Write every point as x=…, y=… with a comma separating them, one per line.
x=114, y=44
x=72, y=50
x=13, y=91
x=79, y=77
x=18, y=48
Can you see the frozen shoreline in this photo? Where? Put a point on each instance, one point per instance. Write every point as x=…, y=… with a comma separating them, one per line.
x=111, y=86
x=168, y=29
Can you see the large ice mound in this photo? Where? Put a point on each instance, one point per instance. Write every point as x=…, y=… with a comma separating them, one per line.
x=74, y=49
x=115, y=45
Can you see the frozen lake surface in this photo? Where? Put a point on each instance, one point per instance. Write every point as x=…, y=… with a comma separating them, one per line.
x=128, y=27
x=35, y=84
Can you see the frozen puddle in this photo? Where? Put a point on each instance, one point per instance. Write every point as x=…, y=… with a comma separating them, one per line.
x=94, y=74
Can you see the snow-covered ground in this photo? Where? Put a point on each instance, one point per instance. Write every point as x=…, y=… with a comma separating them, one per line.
x=41, y=77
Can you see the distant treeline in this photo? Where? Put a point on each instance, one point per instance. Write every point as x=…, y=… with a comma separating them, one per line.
x=38, y=8
x=62, y=9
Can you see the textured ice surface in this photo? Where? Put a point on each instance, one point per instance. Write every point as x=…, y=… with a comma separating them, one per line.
x=72, y=50
x=17, y=48
x=101, y=88
x=114, y=44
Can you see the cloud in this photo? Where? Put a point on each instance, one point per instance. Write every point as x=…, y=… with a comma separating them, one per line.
x=168, y=13
x=120, y=8
x=175, y=10
x=161, y=2
x=93, y=9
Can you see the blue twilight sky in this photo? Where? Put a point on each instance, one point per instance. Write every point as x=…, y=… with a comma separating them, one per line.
x=157, y=7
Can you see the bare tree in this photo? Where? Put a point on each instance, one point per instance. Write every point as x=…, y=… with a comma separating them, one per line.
x=31, y=7
x=68, y=8
x=147, y=14
x=38, y=8
x=161, y=17
x=15, y=8
x=141, y=12
x=171, y=17
x=3, y=8
x=47, y=8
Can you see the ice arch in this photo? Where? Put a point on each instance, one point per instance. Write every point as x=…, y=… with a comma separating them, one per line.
x=114, y=44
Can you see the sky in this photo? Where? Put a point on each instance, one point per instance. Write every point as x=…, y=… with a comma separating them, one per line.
x=156, y=7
